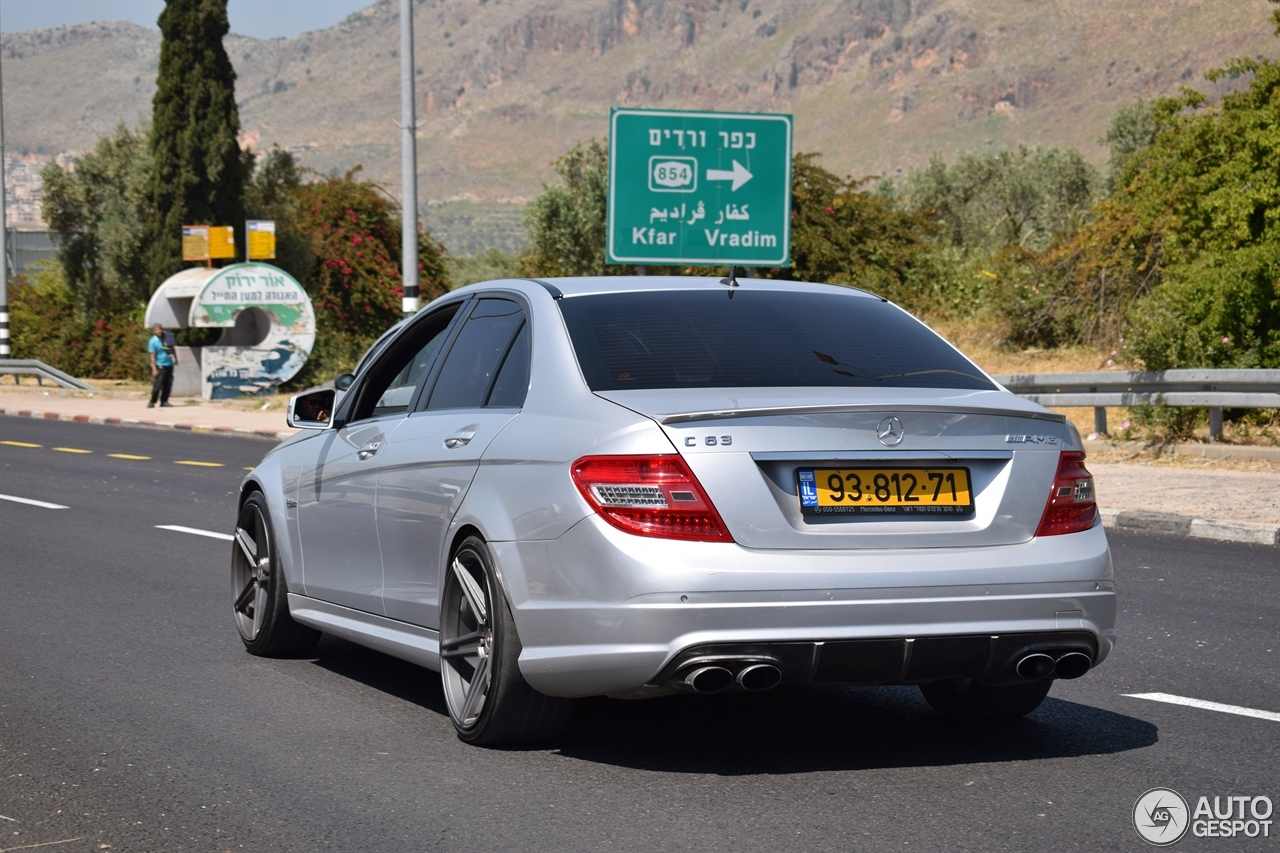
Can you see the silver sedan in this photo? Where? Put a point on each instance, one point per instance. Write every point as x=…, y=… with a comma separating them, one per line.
x=643, y=486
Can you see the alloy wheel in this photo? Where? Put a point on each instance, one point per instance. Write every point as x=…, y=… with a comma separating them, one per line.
x=251, y=571
x=467, y=638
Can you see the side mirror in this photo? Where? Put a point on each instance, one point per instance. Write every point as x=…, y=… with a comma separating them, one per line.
x=344, y=381
x=312, y=410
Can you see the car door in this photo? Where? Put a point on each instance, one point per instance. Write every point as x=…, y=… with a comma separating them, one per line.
x=427, y=468
x=337, y=521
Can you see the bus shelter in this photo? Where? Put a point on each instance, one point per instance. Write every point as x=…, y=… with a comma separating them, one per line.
x=267, y=321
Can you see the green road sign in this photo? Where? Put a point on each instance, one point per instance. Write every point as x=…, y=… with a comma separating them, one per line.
x=699, y=188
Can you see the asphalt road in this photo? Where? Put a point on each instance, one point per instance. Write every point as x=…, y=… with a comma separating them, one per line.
x=131, y=719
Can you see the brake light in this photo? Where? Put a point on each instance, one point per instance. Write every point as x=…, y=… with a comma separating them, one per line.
x=1071, y=507
x=649, y=496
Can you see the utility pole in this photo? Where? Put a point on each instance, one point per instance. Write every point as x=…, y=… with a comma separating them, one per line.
x=408, y=163
x=4, y=236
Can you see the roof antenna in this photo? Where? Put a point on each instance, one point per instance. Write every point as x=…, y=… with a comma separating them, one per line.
x=732, y=280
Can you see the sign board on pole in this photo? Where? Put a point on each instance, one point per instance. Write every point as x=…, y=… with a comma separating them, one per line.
x=261, y=237
x=222, y=241
x=205, y=242
x=699, y=188
x=195, y=242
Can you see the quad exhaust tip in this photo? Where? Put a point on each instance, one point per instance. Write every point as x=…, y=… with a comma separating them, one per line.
x=759, y=677
x=713, y=678
x=709, y=679
x=1035, y=666
x=1072, y=665
x=1041, y=665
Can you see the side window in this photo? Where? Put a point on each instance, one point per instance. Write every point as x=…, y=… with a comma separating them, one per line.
x=477, y=354
x=390, y=387
x=513, y=377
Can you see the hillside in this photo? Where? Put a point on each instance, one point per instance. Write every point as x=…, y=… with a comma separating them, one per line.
x=504, y=86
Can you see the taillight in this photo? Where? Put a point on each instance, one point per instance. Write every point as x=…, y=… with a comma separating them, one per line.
x=649, y=496
x=1071, y=507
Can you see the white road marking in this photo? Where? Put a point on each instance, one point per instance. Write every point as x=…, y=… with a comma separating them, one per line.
x=1207, y=706
x=212, y=534
x=31, y=502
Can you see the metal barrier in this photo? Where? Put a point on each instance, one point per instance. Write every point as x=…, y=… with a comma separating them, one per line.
x=1213, y=389
x=42, y=371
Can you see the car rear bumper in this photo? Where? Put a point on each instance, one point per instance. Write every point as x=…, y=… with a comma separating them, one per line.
x=600, y=611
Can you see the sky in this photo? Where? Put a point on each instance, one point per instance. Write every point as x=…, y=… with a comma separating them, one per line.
x=262, y=19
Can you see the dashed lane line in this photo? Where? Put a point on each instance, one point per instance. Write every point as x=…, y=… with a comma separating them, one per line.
x=1206, y=706
x=30, y=502
x=195, y=531
x=132, y=456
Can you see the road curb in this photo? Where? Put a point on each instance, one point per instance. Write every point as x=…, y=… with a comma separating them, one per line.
x=1207, y=451
x=135, y=422
x=1143, y=521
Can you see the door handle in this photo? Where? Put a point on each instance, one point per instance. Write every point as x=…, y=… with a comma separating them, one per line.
x=460, y=439
x=369, y=449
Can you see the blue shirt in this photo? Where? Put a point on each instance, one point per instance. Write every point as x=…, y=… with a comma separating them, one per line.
x=163, y=359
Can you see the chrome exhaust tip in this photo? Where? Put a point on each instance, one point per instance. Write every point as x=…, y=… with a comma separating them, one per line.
x=708, y=679
x=759, y=677
x=1035, y=666
x=1073, y=665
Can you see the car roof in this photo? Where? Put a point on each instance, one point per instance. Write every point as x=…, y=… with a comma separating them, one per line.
x=603, y=284
x=632, y=284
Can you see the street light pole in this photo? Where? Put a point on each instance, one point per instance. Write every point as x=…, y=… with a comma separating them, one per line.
x=408, y=163
x=4, y=235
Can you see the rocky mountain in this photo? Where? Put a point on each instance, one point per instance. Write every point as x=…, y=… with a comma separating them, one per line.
x=505, y=86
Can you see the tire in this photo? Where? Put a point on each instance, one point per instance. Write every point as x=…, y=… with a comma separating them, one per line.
x=259, y=595
x=489, y=701
x=968, y=699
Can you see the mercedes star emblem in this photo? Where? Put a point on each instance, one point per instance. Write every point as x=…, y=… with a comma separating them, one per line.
x=889, y=431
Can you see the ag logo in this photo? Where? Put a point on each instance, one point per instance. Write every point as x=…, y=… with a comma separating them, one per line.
x=1161, y=816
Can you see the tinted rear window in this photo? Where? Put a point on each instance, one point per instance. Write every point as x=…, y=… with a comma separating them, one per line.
x=703, y=339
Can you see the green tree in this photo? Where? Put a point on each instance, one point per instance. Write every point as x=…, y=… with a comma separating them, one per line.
x=566, y=222
x=273, y=193
x=200, y=171
x=986, y=202
x=49, y=325
x=492, y=263
x=1132, y=130
x=355, y=283
x=843, y=234
x=100, y=208
x=1184, y=258
x=839, y=233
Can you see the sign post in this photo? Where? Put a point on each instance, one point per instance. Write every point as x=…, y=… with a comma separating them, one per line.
x=260, y=239
x=699, y=188
x=208, y=242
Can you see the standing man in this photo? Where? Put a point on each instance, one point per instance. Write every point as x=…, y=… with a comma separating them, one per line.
x=161, y=367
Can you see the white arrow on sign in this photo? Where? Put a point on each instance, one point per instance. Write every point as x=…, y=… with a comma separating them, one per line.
x=739, y=175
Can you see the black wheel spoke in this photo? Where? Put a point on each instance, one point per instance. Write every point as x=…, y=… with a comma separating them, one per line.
x=247, y=595
x=462, y=646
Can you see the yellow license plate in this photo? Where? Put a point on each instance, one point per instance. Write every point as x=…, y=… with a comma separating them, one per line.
x=938, y=492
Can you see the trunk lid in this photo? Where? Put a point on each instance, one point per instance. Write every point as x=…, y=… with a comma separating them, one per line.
x=746, y=447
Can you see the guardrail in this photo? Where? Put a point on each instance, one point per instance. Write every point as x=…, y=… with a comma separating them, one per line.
x=1213, y=389
x=42, y=371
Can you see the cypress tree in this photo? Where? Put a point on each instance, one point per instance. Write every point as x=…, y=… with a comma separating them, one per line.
x=200, y=171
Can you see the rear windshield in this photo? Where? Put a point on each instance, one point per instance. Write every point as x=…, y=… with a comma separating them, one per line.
x=704, y=339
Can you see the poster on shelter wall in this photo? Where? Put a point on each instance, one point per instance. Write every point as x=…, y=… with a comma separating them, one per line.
x=276, y=345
